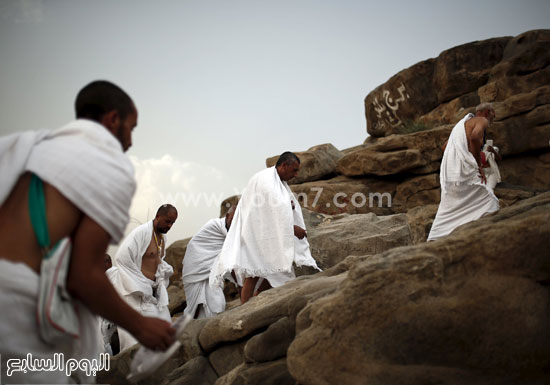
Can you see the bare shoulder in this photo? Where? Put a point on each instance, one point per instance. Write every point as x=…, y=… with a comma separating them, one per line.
x=475, y=127
x=17, y=239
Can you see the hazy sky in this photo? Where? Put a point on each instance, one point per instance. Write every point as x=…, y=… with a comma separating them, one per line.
x=222, y=85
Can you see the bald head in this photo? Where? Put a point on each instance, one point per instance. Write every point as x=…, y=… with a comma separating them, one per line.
x=165, y=218
x=165, y=209
x=487, y=111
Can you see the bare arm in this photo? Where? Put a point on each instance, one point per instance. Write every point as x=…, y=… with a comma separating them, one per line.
x=87, y=282
x=475, y=143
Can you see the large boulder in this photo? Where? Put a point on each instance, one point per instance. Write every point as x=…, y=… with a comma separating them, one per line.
x=419, y=89
x=316, y=163
x=196, y=371
x=417, y=153
x=509, y=194
x=347, y=195
x=227, y=203
x=436, y=91
x=362, y=234
x=465, y=68
x=174, y=256
x=268, y=373
x=531, y=170
x=512, y=73
x=417, y=191
x=471, y=308
x=227, y=357
x=420, y=222
x=265, y=309
x=529, y=131
x=176, y=297
x=271, y=344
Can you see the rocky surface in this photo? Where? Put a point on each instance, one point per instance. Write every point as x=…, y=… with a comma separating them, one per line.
x=472, y=308
x=468, y=309
x=437, y=91
x=418, y=153
x=389, y=308
x=410, y=116
x=316, y=163
x=347, y=195
x=174, y=256
x=363, y=234
x=227, y=203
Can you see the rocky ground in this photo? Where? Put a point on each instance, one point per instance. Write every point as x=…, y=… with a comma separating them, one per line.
x=473, y=308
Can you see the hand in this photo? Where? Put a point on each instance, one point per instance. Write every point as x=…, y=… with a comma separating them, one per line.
x=497, y=155
x=155, y=333
x=299, y=232
x=482, y=175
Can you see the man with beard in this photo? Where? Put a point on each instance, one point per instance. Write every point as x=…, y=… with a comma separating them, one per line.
x=139, y=272
x=64, y=196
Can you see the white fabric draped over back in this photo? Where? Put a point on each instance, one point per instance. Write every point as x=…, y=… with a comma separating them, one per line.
x=458, y=165
x=464, y=198
x=261, y=241
x=86, y=164
x=202, y=251
x=82, y=160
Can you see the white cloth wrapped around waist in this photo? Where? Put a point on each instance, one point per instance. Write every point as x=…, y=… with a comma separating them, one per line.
x=19, y=336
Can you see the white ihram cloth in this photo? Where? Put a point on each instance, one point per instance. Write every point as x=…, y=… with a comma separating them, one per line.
x=86, y=163
x=492, y=172
x=202, y=251
x=464, y=198
x=261, y=241
x=148, y=297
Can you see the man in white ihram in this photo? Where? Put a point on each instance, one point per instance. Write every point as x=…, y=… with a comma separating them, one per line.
x=88, y=184
x=202, y=251
x=140, y=274
x=465, y=195
x=267, y=235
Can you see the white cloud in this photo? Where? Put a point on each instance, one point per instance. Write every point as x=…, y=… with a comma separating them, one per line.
x=196, y=190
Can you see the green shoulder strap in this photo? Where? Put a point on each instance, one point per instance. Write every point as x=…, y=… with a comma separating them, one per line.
x=37, y=210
